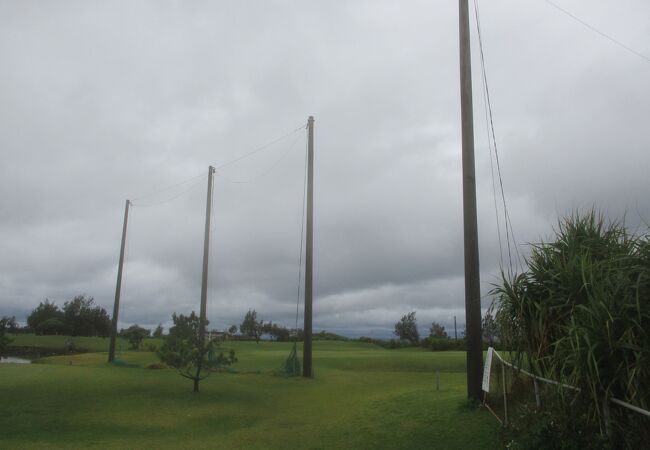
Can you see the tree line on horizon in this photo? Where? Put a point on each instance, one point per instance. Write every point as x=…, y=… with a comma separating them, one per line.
x=78, y=317
x=406, y=330
x=82, y=317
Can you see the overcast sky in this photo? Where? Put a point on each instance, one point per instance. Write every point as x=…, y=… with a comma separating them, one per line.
x=104, y=101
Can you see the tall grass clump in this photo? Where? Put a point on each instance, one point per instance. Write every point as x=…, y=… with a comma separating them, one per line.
x=580, y=314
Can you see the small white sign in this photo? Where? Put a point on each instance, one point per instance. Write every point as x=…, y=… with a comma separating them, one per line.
x=486, y=369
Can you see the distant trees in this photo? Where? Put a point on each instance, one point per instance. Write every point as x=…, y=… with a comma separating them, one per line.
x=278, y=332
x=251, y=327
x=437, y=331
x=187, y=349
x=490, y=329
x=232, y=330
x=45, y=311
x=7, y=324
x=438, y=339
x=85, y=318
x=407, y=328
x=135, y=334
x=52, y=326
x=78, y=317
x=158, y=332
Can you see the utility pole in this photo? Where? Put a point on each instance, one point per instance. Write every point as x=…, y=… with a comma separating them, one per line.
x=472, y=278
x=204, y=277
x=307, y=347
x=206, y=256
x=118, y=287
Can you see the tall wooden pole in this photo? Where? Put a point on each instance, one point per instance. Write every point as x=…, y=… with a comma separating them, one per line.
x=204, y=277
x=307, y=347
x=206, y=256
x=472, y=280
x=118, y=287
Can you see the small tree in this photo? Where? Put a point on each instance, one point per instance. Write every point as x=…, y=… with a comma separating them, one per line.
x=490, y=329
x=135, y=334
x=251, y=327
x=407, y=328
x=158, y=332
x=232, y=330
x=187, y=350
x=437, y=331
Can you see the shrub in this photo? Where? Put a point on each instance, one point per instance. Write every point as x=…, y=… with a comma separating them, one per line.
x=554, y=427
x=156, y=366
x=580, y=314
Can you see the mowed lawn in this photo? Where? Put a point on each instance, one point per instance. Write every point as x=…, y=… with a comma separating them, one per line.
x=362, y=396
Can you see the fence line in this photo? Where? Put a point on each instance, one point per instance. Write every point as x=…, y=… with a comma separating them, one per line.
x=545, y=380
x=632, y=407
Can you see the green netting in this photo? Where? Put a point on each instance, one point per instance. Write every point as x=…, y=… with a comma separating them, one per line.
x=292, y=365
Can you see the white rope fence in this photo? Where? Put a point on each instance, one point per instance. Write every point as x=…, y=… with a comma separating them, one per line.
x=486, y=386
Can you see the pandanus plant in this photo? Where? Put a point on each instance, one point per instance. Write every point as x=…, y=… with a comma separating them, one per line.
x=580, y=313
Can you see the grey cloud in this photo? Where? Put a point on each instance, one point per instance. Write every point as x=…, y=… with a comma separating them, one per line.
x=105, y=101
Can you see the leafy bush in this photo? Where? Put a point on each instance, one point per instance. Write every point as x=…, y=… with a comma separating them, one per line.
x=580, y=315
x=554, y=427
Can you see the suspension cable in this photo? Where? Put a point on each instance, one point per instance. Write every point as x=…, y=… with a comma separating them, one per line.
x=510, y=237
x=302, y=231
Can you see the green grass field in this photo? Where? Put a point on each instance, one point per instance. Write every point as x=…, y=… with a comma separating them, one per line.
x=362, y=396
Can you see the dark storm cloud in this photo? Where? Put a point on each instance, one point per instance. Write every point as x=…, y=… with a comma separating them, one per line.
x=105, y=101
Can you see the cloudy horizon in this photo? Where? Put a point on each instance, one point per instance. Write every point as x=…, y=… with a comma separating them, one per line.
x=103, y=102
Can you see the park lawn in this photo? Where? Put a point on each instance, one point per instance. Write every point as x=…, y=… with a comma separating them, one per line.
x=362, y=396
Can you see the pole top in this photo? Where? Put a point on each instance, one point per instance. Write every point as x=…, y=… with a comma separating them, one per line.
x=212, y=169
x=311, y=118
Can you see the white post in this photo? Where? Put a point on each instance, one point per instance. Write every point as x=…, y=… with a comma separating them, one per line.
x=505, y=397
